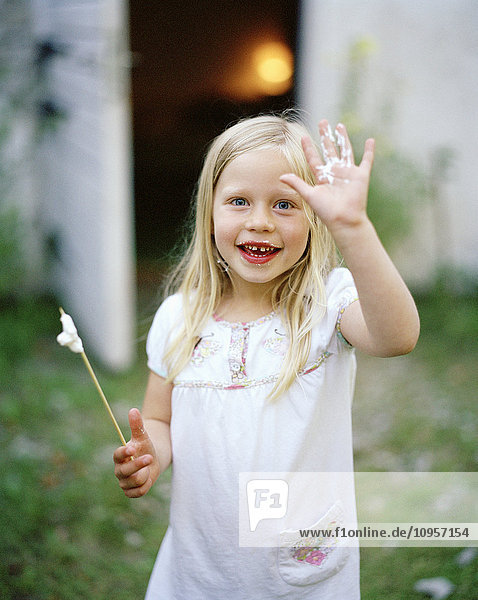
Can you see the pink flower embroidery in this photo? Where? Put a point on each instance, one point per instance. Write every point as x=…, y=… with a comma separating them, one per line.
x=315, y=558
x=312, y=555
x=276, y=345
x=204, y=349
x=301, y=553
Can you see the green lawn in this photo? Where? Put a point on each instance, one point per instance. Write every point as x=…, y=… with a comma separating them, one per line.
x=420, y=413
x=67, y=531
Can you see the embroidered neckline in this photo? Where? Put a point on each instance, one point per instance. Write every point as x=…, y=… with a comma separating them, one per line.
x=235, y=324
x=247, y=383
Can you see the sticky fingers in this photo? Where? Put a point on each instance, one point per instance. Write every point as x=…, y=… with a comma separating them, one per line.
x=126, y=464
x=138, y=492
x=135, y=480
x=134, y=477
x=327, y=142
x=311, y=154
x=123, y=453
x=127, y=469
x=344, y=145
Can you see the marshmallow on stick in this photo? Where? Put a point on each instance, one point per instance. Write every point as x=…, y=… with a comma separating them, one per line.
x=69, y=337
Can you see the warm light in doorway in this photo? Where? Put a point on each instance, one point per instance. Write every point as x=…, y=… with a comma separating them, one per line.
x=274, y=63
x=261, y=67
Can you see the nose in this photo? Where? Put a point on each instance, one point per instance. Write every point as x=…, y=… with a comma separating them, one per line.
x=260, y=219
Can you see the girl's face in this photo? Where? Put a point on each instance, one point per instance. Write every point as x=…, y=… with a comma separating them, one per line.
x=259, y=224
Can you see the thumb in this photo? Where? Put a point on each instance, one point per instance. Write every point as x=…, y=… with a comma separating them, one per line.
x=138, y=433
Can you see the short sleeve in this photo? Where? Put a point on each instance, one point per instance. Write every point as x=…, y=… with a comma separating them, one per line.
x=341, y=291
x=159, y=335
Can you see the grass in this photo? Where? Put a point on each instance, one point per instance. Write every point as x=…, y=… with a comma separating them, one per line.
x=66, y=530
x=420, y=413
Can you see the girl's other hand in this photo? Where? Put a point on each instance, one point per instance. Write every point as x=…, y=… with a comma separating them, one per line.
x=339, y=197
x=136, y=464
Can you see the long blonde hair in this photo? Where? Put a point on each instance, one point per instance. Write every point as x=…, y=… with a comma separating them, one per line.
x=299, y=294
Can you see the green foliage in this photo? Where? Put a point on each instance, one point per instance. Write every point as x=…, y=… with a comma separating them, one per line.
x=67, y=531
x=12, y=261
x=391, y=572
x=397, y=183
x=20, y=322
x=395, y=186
x=419, y=413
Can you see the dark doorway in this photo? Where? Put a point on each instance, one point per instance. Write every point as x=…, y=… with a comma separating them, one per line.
x=193, y=76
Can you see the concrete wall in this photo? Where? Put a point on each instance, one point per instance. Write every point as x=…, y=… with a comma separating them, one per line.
x=405, y=71
x=84, y=170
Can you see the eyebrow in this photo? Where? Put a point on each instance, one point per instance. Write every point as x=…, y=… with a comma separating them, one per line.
x=243, y=191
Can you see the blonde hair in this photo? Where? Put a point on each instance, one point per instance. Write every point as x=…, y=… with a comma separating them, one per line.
x=299, y=294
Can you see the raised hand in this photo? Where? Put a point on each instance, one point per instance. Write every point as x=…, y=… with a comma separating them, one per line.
x=339, y=197
x=136, y=464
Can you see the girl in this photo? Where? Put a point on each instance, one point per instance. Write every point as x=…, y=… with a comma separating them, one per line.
x=252, y=361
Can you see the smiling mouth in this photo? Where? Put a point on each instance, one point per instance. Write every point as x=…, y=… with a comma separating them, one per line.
x=258, y=251
x=258, y=254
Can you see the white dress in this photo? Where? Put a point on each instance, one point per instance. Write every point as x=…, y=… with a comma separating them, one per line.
x=223, y=426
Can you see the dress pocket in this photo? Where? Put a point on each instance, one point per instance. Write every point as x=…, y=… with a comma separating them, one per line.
x=313, y=554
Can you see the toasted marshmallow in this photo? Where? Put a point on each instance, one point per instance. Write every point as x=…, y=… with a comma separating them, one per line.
x=69, y=336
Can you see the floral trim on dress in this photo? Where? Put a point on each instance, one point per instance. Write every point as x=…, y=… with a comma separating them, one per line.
x=246, y=383
x=242, y=324
x=237, y=353
x=339, y=319
x=238, y=347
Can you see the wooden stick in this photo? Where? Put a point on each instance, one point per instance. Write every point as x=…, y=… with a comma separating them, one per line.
x=100, y=391
x=103, y=397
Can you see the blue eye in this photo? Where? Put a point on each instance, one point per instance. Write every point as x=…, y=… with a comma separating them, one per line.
x=239, y=202
x=283, y=205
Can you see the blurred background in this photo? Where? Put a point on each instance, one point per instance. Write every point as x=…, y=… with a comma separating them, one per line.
x=107, y=108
